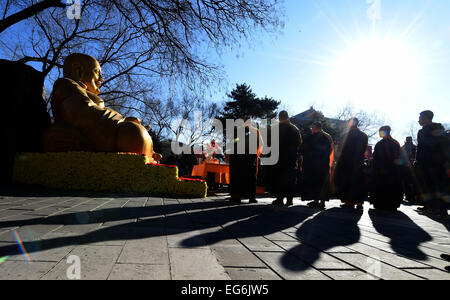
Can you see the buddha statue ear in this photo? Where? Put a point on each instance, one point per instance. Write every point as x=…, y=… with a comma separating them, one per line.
x=77, y=71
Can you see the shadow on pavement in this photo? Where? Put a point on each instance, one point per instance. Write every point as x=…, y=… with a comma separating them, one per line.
x=328, y=229
x=270, y=221
x=406, y=236
x=444, y=221
x=22, y=190
x=254, y=220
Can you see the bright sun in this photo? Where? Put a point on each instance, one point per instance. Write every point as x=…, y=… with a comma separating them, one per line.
x=383, y=71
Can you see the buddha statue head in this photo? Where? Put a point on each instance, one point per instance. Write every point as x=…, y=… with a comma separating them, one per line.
x=85, y=69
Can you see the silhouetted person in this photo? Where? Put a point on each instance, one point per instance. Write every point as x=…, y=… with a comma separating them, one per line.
x=186, y=163
x=386, y=184
x=431, y=163
x=409, y=149
x=408, y=157
x=316, y=150
x=172, y=160
x=243, y=166
x=286, y=168
x=349, y=178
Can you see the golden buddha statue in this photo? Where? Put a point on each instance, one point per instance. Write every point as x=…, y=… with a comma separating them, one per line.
x=83, y=123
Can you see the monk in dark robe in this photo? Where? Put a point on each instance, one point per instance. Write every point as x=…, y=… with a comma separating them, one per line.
x=243, y=166
x=431, y=160
x=349, y=179
x=386, y=190
x=284, y=172
x=408, y=157
x=316, y=151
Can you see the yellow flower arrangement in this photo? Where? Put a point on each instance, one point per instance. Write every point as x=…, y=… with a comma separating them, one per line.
x=104, y=172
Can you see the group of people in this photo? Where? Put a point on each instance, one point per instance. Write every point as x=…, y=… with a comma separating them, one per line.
x=307, y=167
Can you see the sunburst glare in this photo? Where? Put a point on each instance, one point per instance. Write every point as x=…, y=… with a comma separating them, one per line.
x=376, y=70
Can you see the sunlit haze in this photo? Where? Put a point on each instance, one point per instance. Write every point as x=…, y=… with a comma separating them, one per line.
x=334, y=53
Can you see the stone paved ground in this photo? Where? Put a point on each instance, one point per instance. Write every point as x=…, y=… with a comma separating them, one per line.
x=159, y=238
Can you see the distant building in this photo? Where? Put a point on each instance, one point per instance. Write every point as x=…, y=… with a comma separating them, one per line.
x=311, y=114
x=332, y=126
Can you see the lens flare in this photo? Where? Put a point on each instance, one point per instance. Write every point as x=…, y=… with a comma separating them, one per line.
x=22, y=247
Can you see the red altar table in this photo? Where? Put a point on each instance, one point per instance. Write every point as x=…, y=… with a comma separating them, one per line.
x=221, y=171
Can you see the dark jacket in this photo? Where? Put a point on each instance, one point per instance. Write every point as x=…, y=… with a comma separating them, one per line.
x=430, y=148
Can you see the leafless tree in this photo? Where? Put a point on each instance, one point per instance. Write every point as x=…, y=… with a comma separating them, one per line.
x=198, y=113
x=414, y=128
x=142, y=45
x=369, y=123
x=446, y=126
x=24, y=13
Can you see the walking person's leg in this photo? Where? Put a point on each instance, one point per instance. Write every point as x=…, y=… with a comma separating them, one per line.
x=447, y=258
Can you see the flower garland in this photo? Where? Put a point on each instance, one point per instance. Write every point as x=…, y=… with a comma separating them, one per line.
x=104, y=172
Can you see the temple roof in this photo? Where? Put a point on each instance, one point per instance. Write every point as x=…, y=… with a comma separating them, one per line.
x=308, y=115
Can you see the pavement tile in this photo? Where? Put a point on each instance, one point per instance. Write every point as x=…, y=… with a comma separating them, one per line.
x=251, y=274
x=151, y=250
x=47, y=211
x=423, y=255
x=376, y=268
x=236, y=256
x=140, y=272
x=314, y=257
x=82, y=208
x=280, y=236
x=28, y=233
x=195, y=264
x=259, y=243
x=389, y=258
x=433, y=245
x=154, y=201
x=99, y=239
x=9, y=213
x=431, y=274
x=181, y=238
x=289, y=267
x=7, y=206
x=209, y=239
x=43, y=255
x=136, y=203
x=96, y=263
x=20, y=270
x=348, y=275
x=339, y=249
x=71, y=203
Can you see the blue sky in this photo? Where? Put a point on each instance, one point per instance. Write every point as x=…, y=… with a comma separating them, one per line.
x=331, y=53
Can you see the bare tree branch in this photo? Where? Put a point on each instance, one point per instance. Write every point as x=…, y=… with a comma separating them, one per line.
x=28, y=12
